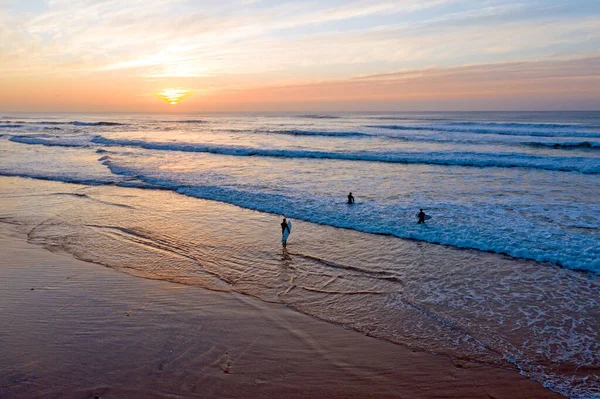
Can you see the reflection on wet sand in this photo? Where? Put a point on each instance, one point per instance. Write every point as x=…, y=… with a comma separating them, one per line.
x=537, y=318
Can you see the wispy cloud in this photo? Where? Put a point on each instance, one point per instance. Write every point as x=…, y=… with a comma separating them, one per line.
x=556, y=84
x=246, y=44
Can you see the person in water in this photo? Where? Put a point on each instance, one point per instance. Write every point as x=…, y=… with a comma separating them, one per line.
x=350, y=198
x=284, y=225
x=421, y=215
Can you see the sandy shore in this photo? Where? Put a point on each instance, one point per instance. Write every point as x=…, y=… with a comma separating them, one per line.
x=79, y=330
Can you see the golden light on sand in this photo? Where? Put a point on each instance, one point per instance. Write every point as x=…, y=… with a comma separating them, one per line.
x=173, y=96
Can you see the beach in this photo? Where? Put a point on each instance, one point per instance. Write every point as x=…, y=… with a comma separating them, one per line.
x=503, y=276
x=300, y=199
x=76, y=329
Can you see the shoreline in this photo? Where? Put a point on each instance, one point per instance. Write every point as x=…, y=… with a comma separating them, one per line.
x=464, y=305
x=150, y=186
x=76, y=329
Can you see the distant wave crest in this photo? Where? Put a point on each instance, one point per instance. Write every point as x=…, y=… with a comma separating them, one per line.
x=566, y=145
x=51, y=141
x=508, y=129
x=315, y=133
x=74, y=123
x=318, y=116
x=581, y=164
x=189, y=121
x=570, y=164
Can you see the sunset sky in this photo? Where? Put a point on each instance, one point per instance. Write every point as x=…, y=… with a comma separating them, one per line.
x=253, y=55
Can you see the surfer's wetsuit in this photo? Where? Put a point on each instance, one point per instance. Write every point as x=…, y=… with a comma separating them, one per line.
x=350, y=198
x=421, y=217
x=284, y=226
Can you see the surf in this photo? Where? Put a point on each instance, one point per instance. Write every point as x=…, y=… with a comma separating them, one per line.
x=586, y=165
x=500, y=129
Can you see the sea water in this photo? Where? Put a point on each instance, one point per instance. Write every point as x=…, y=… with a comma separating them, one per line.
x=523, y=184
x=526, y=185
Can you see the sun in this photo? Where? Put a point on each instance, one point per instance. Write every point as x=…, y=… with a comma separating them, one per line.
x=173, y=96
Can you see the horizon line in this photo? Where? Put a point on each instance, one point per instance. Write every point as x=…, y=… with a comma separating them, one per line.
x=294, y=112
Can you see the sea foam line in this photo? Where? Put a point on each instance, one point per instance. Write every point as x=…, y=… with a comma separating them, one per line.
x=588, y=165
x=460, y=236
x=74, y=123
x=494, y=129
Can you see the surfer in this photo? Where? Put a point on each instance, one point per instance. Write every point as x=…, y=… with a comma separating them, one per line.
x=284, y=227
x=350, y=198
x=421, y=216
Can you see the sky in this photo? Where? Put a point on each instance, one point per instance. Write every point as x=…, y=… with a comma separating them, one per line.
x=267, y=55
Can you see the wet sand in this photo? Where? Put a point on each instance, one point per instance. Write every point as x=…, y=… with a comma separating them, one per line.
x=80, y=330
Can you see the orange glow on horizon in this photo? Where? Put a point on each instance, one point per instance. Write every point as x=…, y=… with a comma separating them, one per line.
x=173, y=96
x=528, y=85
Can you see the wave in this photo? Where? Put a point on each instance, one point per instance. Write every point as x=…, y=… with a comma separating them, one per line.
x=527, y=125
x=321, y=212
x=190, y=121
x=405, y=118
x=101, y=123
x=74, y=123
x=50, y=141
x=314, y=133
x=474, y=159
x=481, y=129
x=429, y=139
x=586, y=165
x=318, y=116
x=59, y=178
x=423, y=138
x=566, y=146
x=297, y=132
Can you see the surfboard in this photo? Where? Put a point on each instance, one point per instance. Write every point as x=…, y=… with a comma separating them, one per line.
x=427, y=217
x=287, y=232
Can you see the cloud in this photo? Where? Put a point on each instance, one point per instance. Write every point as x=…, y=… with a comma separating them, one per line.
x=218, y=46
x=535, y=85
x=572, y=82
x=175, y=38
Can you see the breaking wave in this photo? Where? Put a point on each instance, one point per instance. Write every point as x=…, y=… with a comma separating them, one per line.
x=474, y=159
x=502, y=129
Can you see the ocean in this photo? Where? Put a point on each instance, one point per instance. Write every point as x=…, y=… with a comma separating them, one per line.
x=507, y=270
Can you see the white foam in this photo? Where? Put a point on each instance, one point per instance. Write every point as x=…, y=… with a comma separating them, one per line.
x=589, y=165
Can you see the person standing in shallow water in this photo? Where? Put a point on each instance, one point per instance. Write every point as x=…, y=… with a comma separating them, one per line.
x=350, y=198
x=284, y=226
x=421, y=217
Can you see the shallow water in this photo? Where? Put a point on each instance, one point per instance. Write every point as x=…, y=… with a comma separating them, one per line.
x=524, y=184
x=539, y=318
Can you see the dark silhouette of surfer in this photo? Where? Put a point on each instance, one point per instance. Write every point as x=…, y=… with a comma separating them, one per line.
x=284, y=226
x=350, y=198
x=421, y=216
